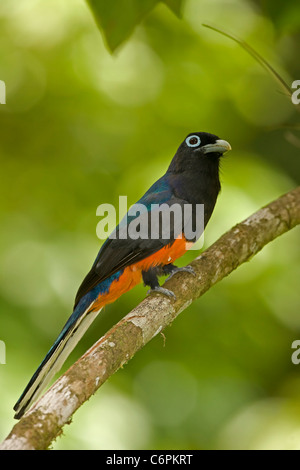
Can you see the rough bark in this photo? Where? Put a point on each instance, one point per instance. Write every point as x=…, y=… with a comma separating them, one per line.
x=44, y=422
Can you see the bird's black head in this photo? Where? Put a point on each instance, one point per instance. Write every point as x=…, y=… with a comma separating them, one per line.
x=199, y=150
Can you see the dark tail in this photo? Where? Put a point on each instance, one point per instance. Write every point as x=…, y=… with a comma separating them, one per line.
x=74, y=329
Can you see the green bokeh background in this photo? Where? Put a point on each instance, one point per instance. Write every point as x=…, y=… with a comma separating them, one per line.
x=81, y=127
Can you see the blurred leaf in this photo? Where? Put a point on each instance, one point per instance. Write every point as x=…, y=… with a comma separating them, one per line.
x=257, y=57
x=285, y=15
x=175, y=6
x=118, y=18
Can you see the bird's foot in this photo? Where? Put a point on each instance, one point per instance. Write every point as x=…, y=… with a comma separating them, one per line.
x=174, y=269
x=163, y=291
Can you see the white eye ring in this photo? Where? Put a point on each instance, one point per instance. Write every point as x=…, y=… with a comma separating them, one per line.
x=196, y=144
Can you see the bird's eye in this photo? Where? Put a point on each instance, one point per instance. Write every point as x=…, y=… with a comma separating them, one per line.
x=193, y=141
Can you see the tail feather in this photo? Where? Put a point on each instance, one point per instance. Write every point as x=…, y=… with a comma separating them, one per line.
x=72, y=332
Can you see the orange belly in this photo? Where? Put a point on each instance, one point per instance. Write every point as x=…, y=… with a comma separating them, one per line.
x=132, y=275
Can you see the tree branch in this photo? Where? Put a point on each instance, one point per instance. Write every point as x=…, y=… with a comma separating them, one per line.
x=43, y=423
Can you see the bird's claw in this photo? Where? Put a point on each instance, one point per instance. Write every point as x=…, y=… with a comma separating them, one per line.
x=163, y=291
x=184, y=269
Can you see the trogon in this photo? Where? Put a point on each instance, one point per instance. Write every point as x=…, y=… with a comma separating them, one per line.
x=125, y=259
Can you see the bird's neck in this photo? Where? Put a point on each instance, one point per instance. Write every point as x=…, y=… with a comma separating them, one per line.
x=198, y=186
x=197, y=183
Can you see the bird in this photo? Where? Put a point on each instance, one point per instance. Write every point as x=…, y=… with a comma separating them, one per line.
x=124, y=261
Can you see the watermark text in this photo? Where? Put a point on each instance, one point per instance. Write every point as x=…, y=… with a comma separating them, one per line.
x=2, y=352
x=152, y=222
x=2, y=92
x=296, y=94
